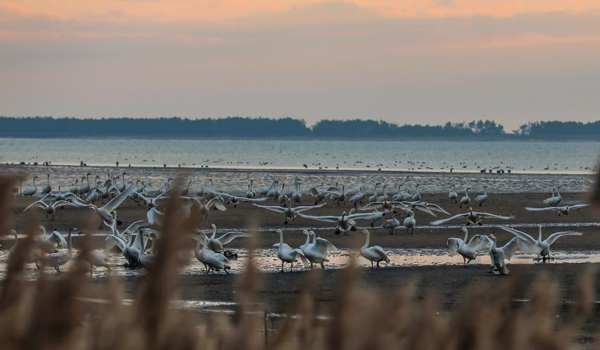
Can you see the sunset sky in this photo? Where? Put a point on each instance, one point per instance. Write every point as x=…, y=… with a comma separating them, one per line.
x=401, y=61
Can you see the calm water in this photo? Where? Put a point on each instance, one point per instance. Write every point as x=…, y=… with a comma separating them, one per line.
x=539, y=156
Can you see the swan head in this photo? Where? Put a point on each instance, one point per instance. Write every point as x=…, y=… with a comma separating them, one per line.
x=311, y=233
x=36, y=177
x=463, y=230
x=213, y=226
x=305, y=232
x=492, y=237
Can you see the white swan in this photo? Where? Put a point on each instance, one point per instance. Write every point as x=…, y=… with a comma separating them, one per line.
x=210, y=259
x=250, y=193
x=468, y=251
x=416, y=196
x=286, y=254
x=473, y=217
x=374, y=254
x=317, y=249
x=410, y=222
x=85, y=188
x=96, y=258
x=373, y=198
x=56, y=260
x=453, y=195
x=75, y=188
x=465, y=200
x=216, y=244
x=555, y=199
x=30, y=191
x=564, y=210
x=482, y=197
x=47, y=188
x=539, y=247
x=499, y=255
x=391, y=224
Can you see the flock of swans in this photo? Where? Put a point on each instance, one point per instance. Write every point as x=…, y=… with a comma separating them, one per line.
x=136, y=242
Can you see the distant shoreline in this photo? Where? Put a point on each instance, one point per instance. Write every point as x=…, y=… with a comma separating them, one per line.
x=297, y=170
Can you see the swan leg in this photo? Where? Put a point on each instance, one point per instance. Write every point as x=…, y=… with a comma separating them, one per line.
x=372, y=267
x=282, y=266
x=311, y=265
x=378, y=261
x=322, y=265
x=292, y=266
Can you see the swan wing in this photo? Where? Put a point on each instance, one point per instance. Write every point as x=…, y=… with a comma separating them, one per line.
x=155, y=217
x=320, y=218
x=37, y=204
x=424, y=208
x=512, y=247
x=442, y=221
x=115, y=202
x=480, y=242
x=323, y=246
x=381, y=253
x=578, y=206
x=217, y=203
x=494, y=216
x=553, y=237
x=524, y=236
x=453, y=244
x=300, y=254
x=135, y=225
x=271, y=208
x=437, y=208
x=308, y=207
x=541, y=209
x=230, y=236
x=64, y=203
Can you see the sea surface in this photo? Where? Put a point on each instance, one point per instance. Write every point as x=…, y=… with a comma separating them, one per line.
x=534, y=166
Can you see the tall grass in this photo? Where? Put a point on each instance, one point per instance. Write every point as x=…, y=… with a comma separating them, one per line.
x=48, y=313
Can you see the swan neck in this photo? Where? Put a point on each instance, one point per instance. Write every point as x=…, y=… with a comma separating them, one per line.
x=368, y=234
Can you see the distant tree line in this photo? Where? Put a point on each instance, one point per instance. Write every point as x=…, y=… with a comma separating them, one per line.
x=239, y=127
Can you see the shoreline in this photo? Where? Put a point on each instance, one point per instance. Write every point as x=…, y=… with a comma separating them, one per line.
x=295, y=170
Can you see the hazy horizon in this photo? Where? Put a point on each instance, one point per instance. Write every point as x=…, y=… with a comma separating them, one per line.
x=406, y=63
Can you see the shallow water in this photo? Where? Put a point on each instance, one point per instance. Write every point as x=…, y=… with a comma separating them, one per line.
x=543, y=156
x=266, y=261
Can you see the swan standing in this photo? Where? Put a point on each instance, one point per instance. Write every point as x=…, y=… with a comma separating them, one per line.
x=374, y=254
x=482, y=197
x=555, y=199
x=465, y=200
x=286, y=254
x=216, y=244
x=468, y=251
x=29, y=192
x=210, y=259
x=410, y=222
x=47, y=188
x=392, y=223
x=453, y=195
x=316, y=249
x=56, y=260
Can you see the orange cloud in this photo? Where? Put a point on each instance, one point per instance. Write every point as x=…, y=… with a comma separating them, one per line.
x=229, y=10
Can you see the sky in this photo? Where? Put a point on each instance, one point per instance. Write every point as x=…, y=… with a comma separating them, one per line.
x=425, y=62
